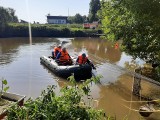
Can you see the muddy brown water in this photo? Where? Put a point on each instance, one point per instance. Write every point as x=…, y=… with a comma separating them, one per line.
x=20, y=65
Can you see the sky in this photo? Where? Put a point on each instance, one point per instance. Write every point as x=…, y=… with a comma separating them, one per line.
x=36, y=10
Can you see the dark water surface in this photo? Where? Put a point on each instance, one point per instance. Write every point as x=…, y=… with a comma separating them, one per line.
x=20, y=65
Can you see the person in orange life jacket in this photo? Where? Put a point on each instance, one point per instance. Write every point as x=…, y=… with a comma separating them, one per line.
x=82, y=59
x=56, y=51
x=63, y=57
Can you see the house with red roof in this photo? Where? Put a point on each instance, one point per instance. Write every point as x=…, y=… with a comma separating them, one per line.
x=90, y=25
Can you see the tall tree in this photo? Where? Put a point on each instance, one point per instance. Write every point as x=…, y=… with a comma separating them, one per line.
x=3, y=20
x=77, y=19
x=6, y=15
x=11, y=15
x=94, y=7
x=137, y=23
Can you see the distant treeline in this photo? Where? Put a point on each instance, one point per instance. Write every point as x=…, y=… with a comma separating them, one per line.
x=47, y=30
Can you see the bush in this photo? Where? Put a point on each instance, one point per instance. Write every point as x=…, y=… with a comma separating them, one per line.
x=68, y=106
x=47, y=30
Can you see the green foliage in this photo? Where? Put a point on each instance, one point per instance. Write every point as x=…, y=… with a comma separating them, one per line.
x=77, y=19
x=6, y=15
x=94, y=7
x=47, y=30
x=137, y=23
x=4, y=87
x=11, y=17
x=67, y=106
x=4, y=82
x=3, y=21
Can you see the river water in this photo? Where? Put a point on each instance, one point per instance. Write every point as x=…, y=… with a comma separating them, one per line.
x=20, y=65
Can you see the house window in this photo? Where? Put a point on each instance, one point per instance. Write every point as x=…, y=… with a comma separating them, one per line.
x=59, y=21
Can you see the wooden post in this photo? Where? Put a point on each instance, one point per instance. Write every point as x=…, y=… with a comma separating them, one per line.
x=137, y=82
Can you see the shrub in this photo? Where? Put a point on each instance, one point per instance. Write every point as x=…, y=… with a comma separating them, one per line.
x=67, y=106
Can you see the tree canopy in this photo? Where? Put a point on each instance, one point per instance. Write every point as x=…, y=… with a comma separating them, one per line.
x=7, y=15
x=77, y=19
x=94, y=7
x=137, y=23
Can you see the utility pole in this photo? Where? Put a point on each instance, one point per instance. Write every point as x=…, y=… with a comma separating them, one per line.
x=67, y=20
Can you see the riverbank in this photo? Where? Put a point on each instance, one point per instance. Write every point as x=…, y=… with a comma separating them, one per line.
x=48, y=30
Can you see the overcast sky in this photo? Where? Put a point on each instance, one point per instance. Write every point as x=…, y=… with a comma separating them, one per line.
x=36, y=10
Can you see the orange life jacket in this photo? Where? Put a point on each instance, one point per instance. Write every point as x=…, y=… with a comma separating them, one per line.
x=55, y=51
x=64, y=56
x=82, y=60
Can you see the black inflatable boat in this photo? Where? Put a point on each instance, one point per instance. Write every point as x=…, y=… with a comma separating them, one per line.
x=80, y=72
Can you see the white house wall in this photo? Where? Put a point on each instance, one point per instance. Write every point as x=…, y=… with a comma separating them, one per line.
x=57, y=21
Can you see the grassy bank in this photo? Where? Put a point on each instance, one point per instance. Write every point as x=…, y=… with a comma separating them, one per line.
x=48, y=30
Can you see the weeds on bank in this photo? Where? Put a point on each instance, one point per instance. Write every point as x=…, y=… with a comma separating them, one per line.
x=4, y=87
x=67, y=106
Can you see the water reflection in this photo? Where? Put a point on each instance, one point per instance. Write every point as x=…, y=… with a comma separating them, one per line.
x=98, y=47
x=9, y=47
